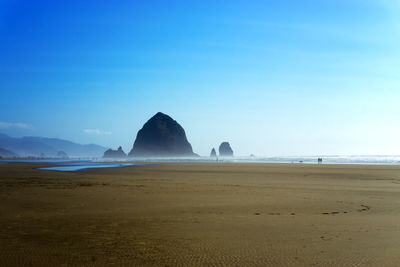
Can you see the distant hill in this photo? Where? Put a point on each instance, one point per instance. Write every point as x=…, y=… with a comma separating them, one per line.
x=36, y=146
x=7, y=153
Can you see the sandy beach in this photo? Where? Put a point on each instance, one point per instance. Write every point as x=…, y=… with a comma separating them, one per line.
x=201, y=214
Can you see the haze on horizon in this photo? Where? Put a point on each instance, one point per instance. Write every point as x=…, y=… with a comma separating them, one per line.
x=272, y=78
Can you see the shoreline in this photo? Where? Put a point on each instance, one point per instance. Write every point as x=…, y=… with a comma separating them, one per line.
x=55, y=162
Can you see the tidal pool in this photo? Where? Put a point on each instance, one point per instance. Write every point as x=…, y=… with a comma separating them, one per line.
x=78, y=166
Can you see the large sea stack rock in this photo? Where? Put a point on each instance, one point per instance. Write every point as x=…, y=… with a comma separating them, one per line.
x=119, y=153
x=213, y=154
x=225, y=150
x=161, y=136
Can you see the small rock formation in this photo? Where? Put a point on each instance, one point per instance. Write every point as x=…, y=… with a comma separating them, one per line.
x=62, y=155
x=161, y=136
x=225, y=150
x=213, y=154
x=7, y=153
x=119, y=153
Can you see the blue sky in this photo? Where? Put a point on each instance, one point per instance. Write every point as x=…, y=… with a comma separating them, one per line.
x=271, y=77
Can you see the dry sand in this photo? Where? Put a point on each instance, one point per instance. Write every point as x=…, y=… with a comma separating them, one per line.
x=201, y=214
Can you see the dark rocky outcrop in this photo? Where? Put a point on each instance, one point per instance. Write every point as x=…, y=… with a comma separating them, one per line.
x=62, y=155
x=225, y=150
x=119, y=153
x=7, y=153
x=161, y=136
x=213, y=154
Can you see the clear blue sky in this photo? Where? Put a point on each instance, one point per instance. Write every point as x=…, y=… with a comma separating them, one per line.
x=271, y=77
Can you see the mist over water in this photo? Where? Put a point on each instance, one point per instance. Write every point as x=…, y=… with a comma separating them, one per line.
x=352, y=159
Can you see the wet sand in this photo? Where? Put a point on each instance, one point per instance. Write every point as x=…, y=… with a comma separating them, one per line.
x=201, y=214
